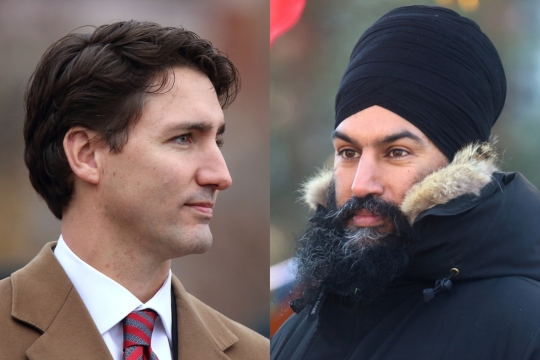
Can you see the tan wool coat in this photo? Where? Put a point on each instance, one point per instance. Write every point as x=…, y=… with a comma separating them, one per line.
x=42, y=317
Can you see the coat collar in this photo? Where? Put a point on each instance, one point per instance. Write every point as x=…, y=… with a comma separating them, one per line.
x=45, y=299
x=201, y=332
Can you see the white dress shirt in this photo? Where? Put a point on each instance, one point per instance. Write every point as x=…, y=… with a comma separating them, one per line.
x=109, y=302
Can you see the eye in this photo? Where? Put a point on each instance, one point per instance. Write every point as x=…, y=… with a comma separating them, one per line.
x=348, y=154
x=398, y=153
x=183, y=139
x=220, y=142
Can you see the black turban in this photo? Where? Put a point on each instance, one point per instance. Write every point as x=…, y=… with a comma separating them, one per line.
x=432, y=67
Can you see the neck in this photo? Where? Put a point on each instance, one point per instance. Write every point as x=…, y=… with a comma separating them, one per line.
x=115, y=253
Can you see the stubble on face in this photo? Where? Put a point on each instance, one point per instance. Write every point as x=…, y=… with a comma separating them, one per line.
x=158, y=193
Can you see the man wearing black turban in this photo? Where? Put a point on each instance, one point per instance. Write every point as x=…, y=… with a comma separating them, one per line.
x=419, y=247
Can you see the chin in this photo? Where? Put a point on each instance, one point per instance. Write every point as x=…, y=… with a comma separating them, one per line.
x=384, y=229
x=197, y=241
x=201, y=247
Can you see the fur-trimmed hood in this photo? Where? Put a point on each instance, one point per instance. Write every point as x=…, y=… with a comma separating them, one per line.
x=467, y=215
x=470, y=170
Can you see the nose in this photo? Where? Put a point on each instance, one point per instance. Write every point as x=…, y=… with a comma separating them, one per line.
x=213, y=171
x=367, y=179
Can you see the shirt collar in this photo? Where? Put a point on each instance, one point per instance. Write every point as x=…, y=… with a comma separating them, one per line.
x=107, y=301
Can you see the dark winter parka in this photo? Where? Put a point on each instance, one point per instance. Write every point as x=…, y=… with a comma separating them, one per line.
x=466, y=216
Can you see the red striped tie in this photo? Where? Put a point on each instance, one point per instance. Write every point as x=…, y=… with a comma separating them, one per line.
x=138, y=327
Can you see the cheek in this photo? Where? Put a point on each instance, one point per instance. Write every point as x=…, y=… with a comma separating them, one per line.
x=135, y=177
x=171, y=182
x=400, y=190
x=343, y=180
x=404, y=183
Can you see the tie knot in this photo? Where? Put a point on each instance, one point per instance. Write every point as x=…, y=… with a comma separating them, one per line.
x=138, y=327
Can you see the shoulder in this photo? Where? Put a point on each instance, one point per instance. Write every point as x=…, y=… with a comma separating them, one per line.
x=15, y=336
x=501, y=311
x=516, y=296
x=5, y=288
x=296, y=322
x=6, y=295
x=499, y=304
x=292, y=336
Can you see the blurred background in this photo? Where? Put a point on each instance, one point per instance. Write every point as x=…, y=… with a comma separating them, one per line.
x=232, y=276
x=306, y=67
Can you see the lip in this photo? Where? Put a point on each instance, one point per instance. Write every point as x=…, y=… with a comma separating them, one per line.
x=364, y=218
x=205, y=208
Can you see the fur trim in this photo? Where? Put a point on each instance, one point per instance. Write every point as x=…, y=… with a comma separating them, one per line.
x=468, y=173
x=315, y=189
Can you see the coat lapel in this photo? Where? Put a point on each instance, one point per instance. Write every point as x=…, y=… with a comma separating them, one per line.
x=201, y=333
x=45, y=299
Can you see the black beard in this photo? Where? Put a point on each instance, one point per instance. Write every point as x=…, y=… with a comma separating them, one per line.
x=359, y=263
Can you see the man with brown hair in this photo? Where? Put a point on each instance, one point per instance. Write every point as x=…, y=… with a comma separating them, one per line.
x=123, y=129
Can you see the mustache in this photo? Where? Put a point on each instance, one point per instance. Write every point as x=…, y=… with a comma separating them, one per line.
x=374, y=205
x=202, y=196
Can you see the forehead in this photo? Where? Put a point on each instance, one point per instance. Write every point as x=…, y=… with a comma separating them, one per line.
x=377, y=124
x=188, y=96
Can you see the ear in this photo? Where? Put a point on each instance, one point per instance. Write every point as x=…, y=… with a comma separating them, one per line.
x=81, y=149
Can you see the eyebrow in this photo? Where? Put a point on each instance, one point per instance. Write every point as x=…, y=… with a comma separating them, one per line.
x=404, y=134
x=202, y=126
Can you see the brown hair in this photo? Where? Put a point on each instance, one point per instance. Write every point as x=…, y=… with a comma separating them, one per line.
x=98, y=81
